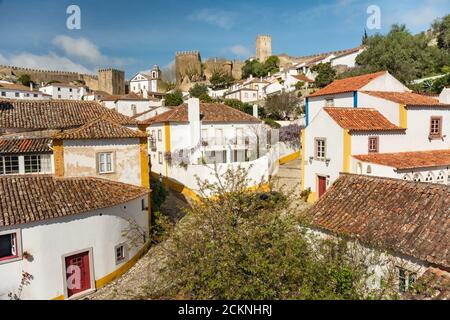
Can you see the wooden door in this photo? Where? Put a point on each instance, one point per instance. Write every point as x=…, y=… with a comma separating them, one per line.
x=322, y=181
x=78, y=273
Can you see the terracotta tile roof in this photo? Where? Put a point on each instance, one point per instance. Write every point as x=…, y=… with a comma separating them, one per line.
x=409, y=160
x=302, y=77
x=348, y=84
x=434, y=284
x=15, y=86
x=20, y=145
x=360, y=119
x=407, y=217
x=130, y=96
x=27, y=198
x=406, y=98
x=213, y=112
x=55, y=114
x=100, y=129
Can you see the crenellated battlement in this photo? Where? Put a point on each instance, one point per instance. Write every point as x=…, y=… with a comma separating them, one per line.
x=184, y=53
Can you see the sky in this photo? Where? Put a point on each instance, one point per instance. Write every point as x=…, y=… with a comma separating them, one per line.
x=133, y=35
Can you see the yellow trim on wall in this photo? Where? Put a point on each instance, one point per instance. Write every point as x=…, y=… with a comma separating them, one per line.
x=167, y=143
x=143, y=152
x=58, y=157
x=124, y=268
x=312, y=197
x=289, y=158
x=302, y=165
x=403, y=116
x=61, y=297
x=347, y=151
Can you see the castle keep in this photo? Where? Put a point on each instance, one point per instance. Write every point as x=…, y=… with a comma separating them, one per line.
x=263, y=47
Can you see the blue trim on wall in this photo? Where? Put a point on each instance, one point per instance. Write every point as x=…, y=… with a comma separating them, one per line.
x=307, y=111
x=355, y=99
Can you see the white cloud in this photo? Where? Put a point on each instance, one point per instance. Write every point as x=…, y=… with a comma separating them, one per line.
x=86, y=51
x=240, y=50
x=50, y=61
x=220, y=18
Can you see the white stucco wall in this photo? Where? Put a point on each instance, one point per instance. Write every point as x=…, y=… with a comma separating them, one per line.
x=387, y=108
x=385, y=82
x=48, y=241
x=323, y=127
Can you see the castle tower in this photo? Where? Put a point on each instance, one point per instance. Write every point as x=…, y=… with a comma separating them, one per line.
x=263, y=47
x=188, y=63
x=111, y=81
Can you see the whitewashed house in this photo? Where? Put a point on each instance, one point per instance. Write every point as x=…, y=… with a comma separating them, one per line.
x=75, y=209
x=62, y=91
x=146, y=82
x=374, y=125
x=10, y=90
x=134, y=105
x=250, y=90
x=190, y=140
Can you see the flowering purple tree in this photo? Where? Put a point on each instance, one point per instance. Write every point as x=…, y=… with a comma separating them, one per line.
x=291, y=135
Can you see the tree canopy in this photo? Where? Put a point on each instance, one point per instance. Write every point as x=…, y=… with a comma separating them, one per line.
x=282, y=105
x=220, y=80
x=260, y=69
x=174, y=99
x=441, y=28
x=407, y=57
x=325, y=74
x=198, y=89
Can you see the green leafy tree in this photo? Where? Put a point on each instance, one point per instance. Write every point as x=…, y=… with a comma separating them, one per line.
x=258, y=69
x=240, y=244
x=281, y=106
x=220, y=80
x=205, y=98
x=244, y=107
x=25, y=80
x=198, y=89
x=174, y=99
x=325, y=74
x=365, y=38
x=441, y=28
x=405, y=56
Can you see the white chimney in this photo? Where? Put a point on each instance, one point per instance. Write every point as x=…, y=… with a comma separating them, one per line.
x=31, y=86
x=163, y=102
x=444, y=97
x=251, y=77
x=255, y=110
x=194, y=120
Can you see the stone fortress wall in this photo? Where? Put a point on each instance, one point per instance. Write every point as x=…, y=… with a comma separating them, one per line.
x=109, y=80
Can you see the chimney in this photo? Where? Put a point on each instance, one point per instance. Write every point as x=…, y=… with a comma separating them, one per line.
x=194, y=120
x=163, y=102
x=31, y=86
x=255, y=110
x=251, y=77
x=444, y=97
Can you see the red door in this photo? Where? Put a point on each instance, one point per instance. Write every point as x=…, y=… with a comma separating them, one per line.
x=322, y=185
x=78, y=273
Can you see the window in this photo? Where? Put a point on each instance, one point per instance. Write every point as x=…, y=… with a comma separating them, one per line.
x=59, y=96
x=17, y=94
x=8, y=246
x=373, y=144
x=436, y=127
x=320, y=148
x=406, y=280
x=27, y=94
x=3, y=94
x=70, y=90
x=32, y=163
x=329, y=102
x=160, y=157
x=35, y=95
x=417, y=177
x=133, y=109
x=369, y=169
x=105, y=164
x=406, y=177
x=429, y=178
x=120, y=253
x=59, y=89
x=440, y=178
x=159, y=135
x=144, y=205
x=9, y=165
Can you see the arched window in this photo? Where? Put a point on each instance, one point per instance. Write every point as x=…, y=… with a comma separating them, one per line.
x=429, y=178
x=440, y=178
x=359, y=168
x=417, y=177
x=407, y=177
x=369, y=169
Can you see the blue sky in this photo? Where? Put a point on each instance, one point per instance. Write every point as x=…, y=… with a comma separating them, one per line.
x=135, y=34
